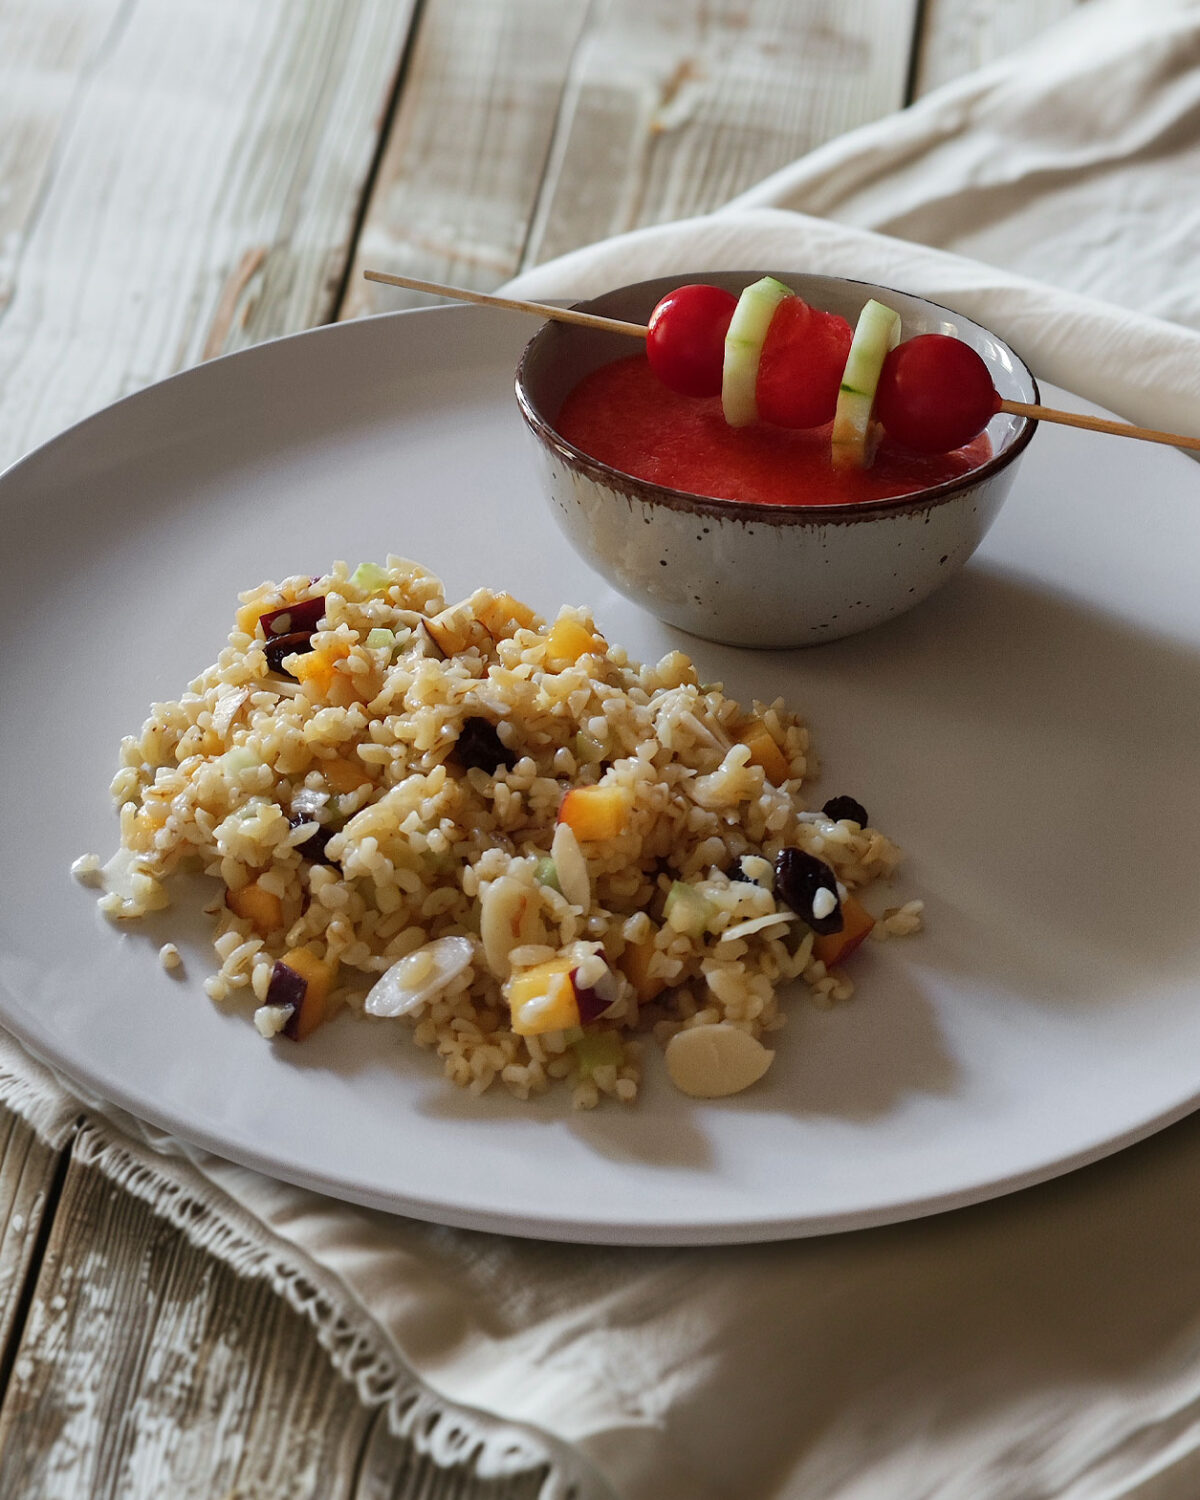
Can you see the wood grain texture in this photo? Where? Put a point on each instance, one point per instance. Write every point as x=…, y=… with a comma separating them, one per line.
x=149, y=1368
x=27, y=1175
x=459, y=179
x=674, y=106
x=46, y=48
x=961, y=35
x=189, y=184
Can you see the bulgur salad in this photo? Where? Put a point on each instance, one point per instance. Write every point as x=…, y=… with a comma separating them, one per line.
x=497, y=831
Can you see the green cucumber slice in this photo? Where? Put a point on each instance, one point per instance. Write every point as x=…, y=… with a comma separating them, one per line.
x=688, y=910
x=545, y=872
x=371, y=578
x=743, y=348
x=876, y=334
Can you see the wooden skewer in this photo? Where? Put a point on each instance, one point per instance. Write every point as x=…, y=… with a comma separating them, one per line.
x=1098, y=424
x=638, y=330
x=513, y=304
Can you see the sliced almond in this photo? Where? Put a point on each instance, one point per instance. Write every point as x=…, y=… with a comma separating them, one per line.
x=758, y=924
x=413, y=981
x=571, y=866
x=229, y=705
x=509, y=917
x=455, y=628
x=711, y=1062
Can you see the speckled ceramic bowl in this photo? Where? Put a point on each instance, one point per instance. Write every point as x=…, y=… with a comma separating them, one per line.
x=765, y=575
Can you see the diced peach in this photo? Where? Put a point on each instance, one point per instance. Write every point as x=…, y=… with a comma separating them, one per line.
x=262, y=909
x=344, y=775
x=568, y=640
x=317, y=667
x=596, y=812
x=499, y=613
x=247, y=618
x=764, y=751
x=836, y=946
x=318, y=976
x=635, y=965
x=543, y=998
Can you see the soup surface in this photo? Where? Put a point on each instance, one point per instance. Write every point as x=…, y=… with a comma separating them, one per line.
x=624, y=416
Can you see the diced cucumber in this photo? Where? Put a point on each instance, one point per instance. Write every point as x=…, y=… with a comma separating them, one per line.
x=687, y=910
x=545, y=872
x=875, y=335
x=371, y=578
x=588, y=750
x=598, y=1049
x=743, y=348
x=378, y=638
x=236, y=760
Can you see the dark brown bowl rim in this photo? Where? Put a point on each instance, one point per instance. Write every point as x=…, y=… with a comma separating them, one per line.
x=651, y=493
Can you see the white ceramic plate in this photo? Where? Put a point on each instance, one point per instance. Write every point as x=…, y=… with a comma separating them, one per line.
x=1029, y=736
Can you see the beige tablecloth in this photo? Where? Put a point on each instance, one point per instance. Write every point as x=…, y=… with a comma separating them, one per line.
x=1046, y=1345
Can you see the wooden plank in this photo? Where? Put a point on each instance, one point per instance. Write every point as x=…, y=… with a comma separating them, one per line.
x=674, y=106
x=28, y=1171
x=192, y=183
x=44, y=49
x=958, y=36
x=150, y=1368
x=459, y=178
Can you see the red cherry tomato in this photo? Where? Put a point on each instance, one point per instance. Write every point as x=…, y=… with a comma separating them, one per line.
x=685, y=340
x=801, y=367
x=934, y=394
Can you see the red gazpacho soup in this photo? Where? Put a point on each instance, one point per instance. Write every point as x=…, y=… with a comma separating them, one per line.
x=623, y=415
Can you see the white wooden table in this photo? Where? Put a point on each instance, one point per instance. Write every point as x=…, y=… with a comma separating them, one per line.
x=181, y=180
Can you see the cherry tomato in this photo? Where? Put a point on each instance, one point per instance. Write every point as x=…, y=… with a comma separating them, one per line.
x=934, y=394
x=685, y=340
x=801, y=367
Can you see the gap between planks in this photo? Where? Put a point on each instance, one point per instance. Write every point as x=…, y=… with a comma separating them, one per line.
x=148, y=1367
x=31, y=1180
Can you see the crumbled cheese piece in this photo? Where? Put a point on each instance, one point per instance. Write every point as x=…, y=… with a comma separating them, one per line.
x=271, y=1019
x=86, y=869
x=824, y=903
x=758, y=869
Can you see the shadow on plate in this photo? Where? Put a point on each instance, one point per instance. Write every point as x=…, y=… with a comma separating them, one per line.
x=858, y=1061
x=653, y=1133
x=1034, y=756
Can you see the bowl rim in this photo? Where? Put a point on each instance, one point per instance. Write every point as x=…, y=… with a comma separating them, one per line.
x=650, y=492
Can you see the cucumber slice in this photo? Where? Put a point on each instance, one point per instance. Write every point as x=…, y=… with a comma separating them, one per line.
x=688, y=910
x=743, y=348
x=876, y=334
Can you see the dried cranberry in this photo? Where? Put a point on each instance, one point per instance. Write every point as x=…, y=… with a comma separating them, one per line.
x=478, y=745
x=286, y=991
x=297, y=644
x=293, y=619
x=839, y=808
x=592, y=1003
x=313, y=847
x=798, y=878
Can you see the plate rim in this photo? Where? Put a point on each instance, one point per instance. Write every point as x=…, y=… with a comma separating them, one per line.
x=664, y=1232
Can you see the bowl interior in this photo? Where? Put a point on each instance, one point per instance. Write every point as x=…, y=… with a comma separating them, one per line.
x=560, y=355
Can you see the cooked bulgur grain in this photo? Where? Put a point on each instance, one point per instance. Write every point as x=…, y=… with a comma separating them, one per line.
x=597, y=836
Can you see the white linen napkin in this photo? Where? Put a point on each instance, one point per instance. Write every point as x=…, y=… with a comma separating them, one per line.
x=1046, y=1345
x=1069, y=172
